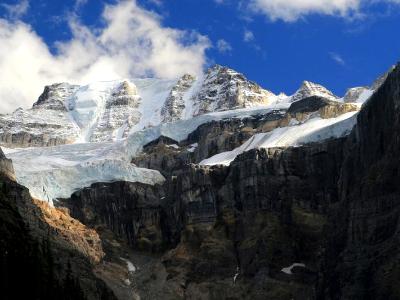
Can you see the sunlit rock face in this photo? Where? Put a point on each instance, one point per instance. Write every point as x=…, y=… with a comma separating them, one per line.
x=355, y=94
x=120, y=113
x=224, y=89
x=309, y=89
x=175, y=105
x=47, y=124
x=54, y=96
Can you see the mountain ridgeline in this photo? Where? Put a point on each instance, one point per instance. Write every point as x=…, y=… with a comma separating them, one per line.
x=258, y=196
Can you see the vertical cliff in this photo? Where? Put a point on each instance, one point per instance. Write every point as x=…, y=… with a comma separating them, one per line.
x=363, y=252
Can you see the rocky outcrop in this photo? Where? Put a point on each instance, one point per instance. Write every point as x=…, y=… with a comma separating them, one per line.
x=6, y=166
x=167, y=155
x=325, y=108
x=27, y=269
x=120, y=115
x=356, y=94
x=225, y=135
x=38, y=127
x=363, y=93
x=130, y=210
x=309, y=89
x=46, y=124
x=381, y=79
x=224, y=89
x=54, y=96
x=175, y=105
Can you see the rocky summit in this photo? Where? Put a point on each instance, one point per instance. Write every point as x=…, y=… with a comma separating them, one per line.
x=202, y=187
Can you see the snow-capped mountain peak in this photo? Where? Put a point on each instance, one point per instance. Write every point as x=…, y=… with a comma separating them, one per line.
x=363, y=93
x=309, y=89
x=54, y=96
x=224, y=89
x=357, y=94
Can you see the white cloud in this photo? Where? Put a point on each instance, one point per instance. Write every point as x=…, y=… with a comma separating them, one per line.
x=18, y=10
x=79, y=4
x=292, y=10
x=223, y=46
x=132, y=43
x=156, y=2
x=337, y=58
x=248, y=36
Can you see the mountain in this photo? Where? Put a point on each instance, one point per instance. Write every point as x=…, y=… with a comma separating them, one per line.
x=207, y=187
x=361, y=94
x=309, y=89
x=108, y=111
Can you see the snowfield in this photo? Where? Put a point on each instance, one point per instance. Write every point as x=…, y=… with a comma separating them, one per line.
x=57, y=172
x=313, y=130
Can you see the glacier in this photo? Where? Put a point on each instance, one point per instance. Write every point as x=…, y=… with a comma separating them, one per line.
x=110, y=122
x=56, y=172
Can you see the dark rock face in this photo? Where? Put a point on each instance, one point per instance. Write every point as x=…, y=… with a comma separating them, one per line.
x=131, y=210
x=44, y=253
x=27, y=268
x=309, y=104
x=41, y=256
x=225, y=135
x=366, y=230
x=261, y=214
x=207, y=140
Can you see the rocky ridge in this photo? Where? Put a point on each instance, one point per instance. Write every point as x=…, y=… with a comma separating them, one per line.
x=360, y=94
x=309, y=89
x=175, y=105
x=120, y=115
x=225, y=89
x=109, y=111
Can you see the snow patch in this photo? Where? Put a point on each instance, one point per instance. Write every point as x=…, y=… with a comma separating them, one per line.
x=313, y=130
x=288, y=270
x=131, y=267
x=192, y=147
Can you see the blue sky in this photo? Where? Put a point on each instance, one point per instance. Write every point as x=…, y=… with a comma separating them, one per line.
x=338, y=45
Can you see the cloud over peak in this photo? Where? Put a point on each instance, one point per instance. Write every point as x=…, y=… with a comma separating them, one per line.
x=133, y=43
